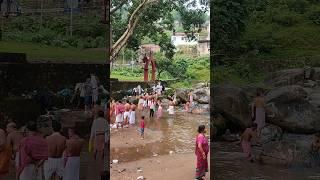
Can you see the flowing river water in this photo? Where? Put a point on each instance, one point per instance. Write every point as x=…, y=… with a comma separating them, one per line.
x=179, y=132
x=228, y=163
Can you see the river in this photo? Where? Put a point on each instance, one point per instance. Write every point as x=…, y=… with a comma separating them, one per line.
x=228, y=164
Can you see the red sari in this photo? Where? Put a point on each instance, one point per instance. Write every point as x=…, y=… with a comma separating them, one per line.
x=202, y=164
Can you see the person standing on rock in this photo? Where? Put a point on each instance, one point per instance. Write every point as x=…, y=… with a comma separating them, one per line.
x=13, y=140
x=258, y=111
x=72, y=155
x=54, y=166
x=33, y=151
x=246, y=139
x=202, y=150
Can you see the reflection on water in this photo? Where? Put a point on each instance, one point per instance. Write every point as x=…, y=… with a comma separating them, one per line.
x=228, y=164
x=179, y=136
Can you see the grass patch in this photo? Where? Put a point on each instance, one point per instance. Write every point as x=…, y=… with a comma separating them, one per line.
x=47, y=53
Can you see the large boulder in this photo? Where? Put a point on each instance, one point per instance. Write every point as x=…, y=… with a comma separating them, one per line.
x=232, y=103
x=285, y=77
x=291, y=149
x=290, y=110
x=270, y=133
x=182, y=95
x=202, y=95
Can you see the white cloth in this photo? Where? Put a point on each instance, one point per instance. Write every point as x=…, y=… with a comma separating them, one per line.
x=94, y=82
x=119, y=118
x=80, y=87
x=95, y=94
x=159, y=89
x=126, y=115
x=72, y=169
x=99, y=125
x=29, y=173
x=53, y=166
x=16, y=159
x=171, y=110
x=132, y=119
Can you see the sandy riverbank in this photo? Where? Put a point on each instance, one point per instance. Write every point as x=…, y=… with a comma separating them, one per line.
x=175, y=166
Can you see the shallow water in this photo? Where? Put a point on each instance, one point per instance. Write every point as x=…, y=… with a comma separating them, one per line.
x=228, y=164
x=179, y=133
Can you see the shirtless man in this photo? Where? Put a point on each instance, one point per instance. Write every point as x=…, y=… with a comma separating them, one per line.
x=126, y=114
x=54, y=167
x=72, y=155
x=246, y=139
x=132, y=119
x=13, y=140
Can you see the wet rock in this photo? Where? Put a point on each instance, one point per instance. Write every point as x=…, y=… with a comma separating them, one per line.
x=285, y=77
x=219, y=122
x=182, y=95
x=289, y=109
x=230, y=137
x=270, y=133
x=201, y=95
x=232, y=103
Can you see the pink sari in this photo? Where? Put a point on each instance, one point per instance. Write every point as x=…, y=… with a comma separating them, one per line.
x=202, y=164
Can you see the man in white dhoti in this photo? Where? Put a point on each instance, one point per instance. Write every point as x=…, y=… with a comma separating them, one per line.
x=132, y=119
x=126, y=115
x=72, y=155
x=159, y=88
x=54, y=166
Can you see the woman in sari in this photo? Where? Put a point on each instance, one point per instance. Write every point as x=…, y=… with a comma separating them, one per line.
x=258, y=111
x=202, y=150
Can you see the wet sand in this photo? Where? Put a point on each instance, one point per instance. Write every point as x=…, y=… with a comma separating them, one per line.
x=175, y=166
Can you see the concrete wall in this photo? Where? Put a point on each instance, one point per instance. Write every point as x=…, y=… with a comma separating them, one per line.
x=18, y=78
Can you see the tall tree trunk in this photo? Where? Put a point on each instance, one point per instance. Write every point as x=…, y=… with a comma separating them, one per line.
x=132, y=23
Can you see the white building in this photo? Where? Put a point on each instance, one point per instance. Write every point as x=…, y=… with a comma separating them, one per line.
x=181, y=39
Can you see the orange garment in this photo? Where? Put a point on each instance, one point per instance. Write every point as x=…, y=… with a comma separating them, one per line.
x=5, y=157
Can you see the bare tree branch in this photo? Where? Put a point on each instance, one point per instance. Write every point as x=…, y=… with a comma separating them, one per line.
x=132, y=23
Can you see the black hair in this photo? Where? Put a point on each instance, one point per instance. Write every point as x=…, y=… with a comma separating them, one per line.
x=201, y=128
x=32, y=126
x=56, y=126
x=100, y=113
x=119, y=101
x=142, y=117
x=254, y=125
x=128, y=101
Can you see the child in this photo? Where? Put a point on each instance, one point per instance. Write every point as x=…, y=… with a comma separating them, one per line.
x=152, y=107
x=142, y=127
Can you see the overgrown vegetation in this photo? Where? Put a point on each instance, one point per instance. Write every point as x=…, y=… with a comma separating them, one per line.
x=263, y=36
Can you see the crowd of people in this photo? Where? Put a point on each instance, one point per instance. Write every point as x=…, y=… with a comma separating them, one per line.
x=54, y=156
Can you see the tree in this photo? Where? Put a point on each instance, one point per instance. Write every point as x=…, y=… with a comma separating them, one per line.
x=152, y=18
x=228, y=24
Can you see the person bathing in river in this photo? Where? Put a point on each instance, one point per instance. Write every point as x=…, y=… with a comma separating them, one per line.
x=171, y=107
x=202, y=150
x=159, y=111
x=13, y=140
x=258, y=111
x=187, y=106
x=152, y=107
x=246, y=139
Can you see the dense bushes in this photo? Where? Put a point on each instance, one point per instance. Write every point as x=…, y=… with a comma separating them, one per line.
x=88, y=32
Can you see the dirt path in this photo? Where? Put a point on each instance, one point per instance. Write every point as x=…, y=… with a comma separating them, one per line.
x=176, y=166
